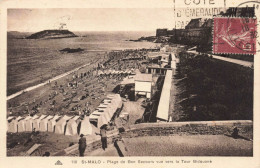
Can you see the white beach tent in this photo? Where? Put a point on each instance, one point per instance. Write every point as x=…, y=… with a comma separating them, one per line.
x=85, y=127
x=72, y=126
x=106, y=108
x=110, y=96
x=106, y=101
x=101, y=121
x=119, y=101
x=94, y=116
x=44, y=123
x=112, y=109
x=115, y=103
x=29, y=123
x=52, y=122
x=36, y=122
x=102, y=105
x=13, y=126
x=9, y=120
x=104, y=117
x=60, y=125
x=105, y=113
x=22, y=124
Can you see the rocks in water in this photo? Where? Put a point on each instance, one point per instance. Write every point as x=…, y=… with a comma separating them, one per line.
x=71, y=50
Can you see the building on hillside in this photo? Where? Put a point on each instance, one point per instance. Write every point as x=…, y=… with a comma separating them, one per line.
x=195, y=23
x=161, y=32
x=198, y=32
x=143, y=85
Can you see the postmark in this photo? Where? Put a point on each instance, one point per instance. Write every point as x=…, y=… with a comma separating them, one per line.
x=234, y=35
x=185, y=10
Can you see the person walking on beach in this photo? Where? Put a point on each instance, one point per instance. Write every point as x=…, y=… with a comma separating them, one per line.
x=235, y=133
x=82, y=145
x=103, y=134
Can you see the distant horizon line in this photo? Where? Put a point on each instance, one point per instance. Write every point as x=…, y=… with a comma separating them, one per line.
x=86, y=30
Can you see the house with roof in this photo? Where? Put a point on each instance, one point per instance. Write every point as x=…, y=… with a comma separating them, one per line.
x=143, y=85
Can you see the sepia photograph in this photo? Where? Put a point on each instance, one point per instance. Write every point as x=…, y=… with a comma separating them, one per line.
x=114, y=82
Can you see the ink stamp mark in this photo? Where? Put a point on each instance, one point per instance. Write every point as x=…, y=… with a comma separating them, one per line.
x=235, y=35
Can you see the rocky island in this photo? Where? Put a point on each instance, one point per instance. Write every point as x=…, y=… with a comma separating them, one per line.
x=52, y=34
x=71, y=50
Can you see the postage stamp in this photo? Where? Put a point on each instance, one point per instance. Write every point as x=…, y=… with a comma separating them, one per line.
x=234, y=35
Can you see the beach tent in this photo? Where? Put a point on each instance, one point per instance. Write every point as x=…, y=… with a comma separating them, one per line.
x=104, y=112
x=111, y=109
x=106, y=101
x=44, y=123
x=110, y=96
x=29, y=123
x=102, y=105
x=101, y=117
x=85, y=127
x=36, y=122
x=61, y=125
x=22, y=124
x=113, y=102
x=9, y=120
x=119, y=101
x=13, y=125
x=94, y=116
x=72, y=126
x=101, y=121
x=116, y=104
x=52, y=122
x=19, y=118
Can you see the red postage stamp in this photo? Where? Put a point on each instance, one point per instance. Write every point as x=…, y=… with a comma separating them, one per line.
x=234, y=35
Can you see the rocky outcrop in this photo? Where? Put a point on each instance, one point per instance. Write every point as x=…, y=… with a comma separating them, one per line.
x=52, y=34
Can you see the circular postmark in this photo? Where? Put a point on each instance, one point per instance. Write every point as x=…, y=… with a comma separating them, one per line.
x=242, y=31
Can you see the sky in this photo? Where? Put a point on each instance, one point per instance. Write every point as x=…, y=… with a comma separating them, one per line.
x=90, y=19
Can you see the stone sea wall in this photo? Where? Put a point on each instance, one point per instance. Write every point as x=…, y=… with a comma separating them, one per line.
x=190, y=128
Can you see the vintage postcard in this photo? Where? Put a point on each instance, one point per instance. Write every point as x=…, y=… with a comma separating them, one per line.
x=130, y=83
